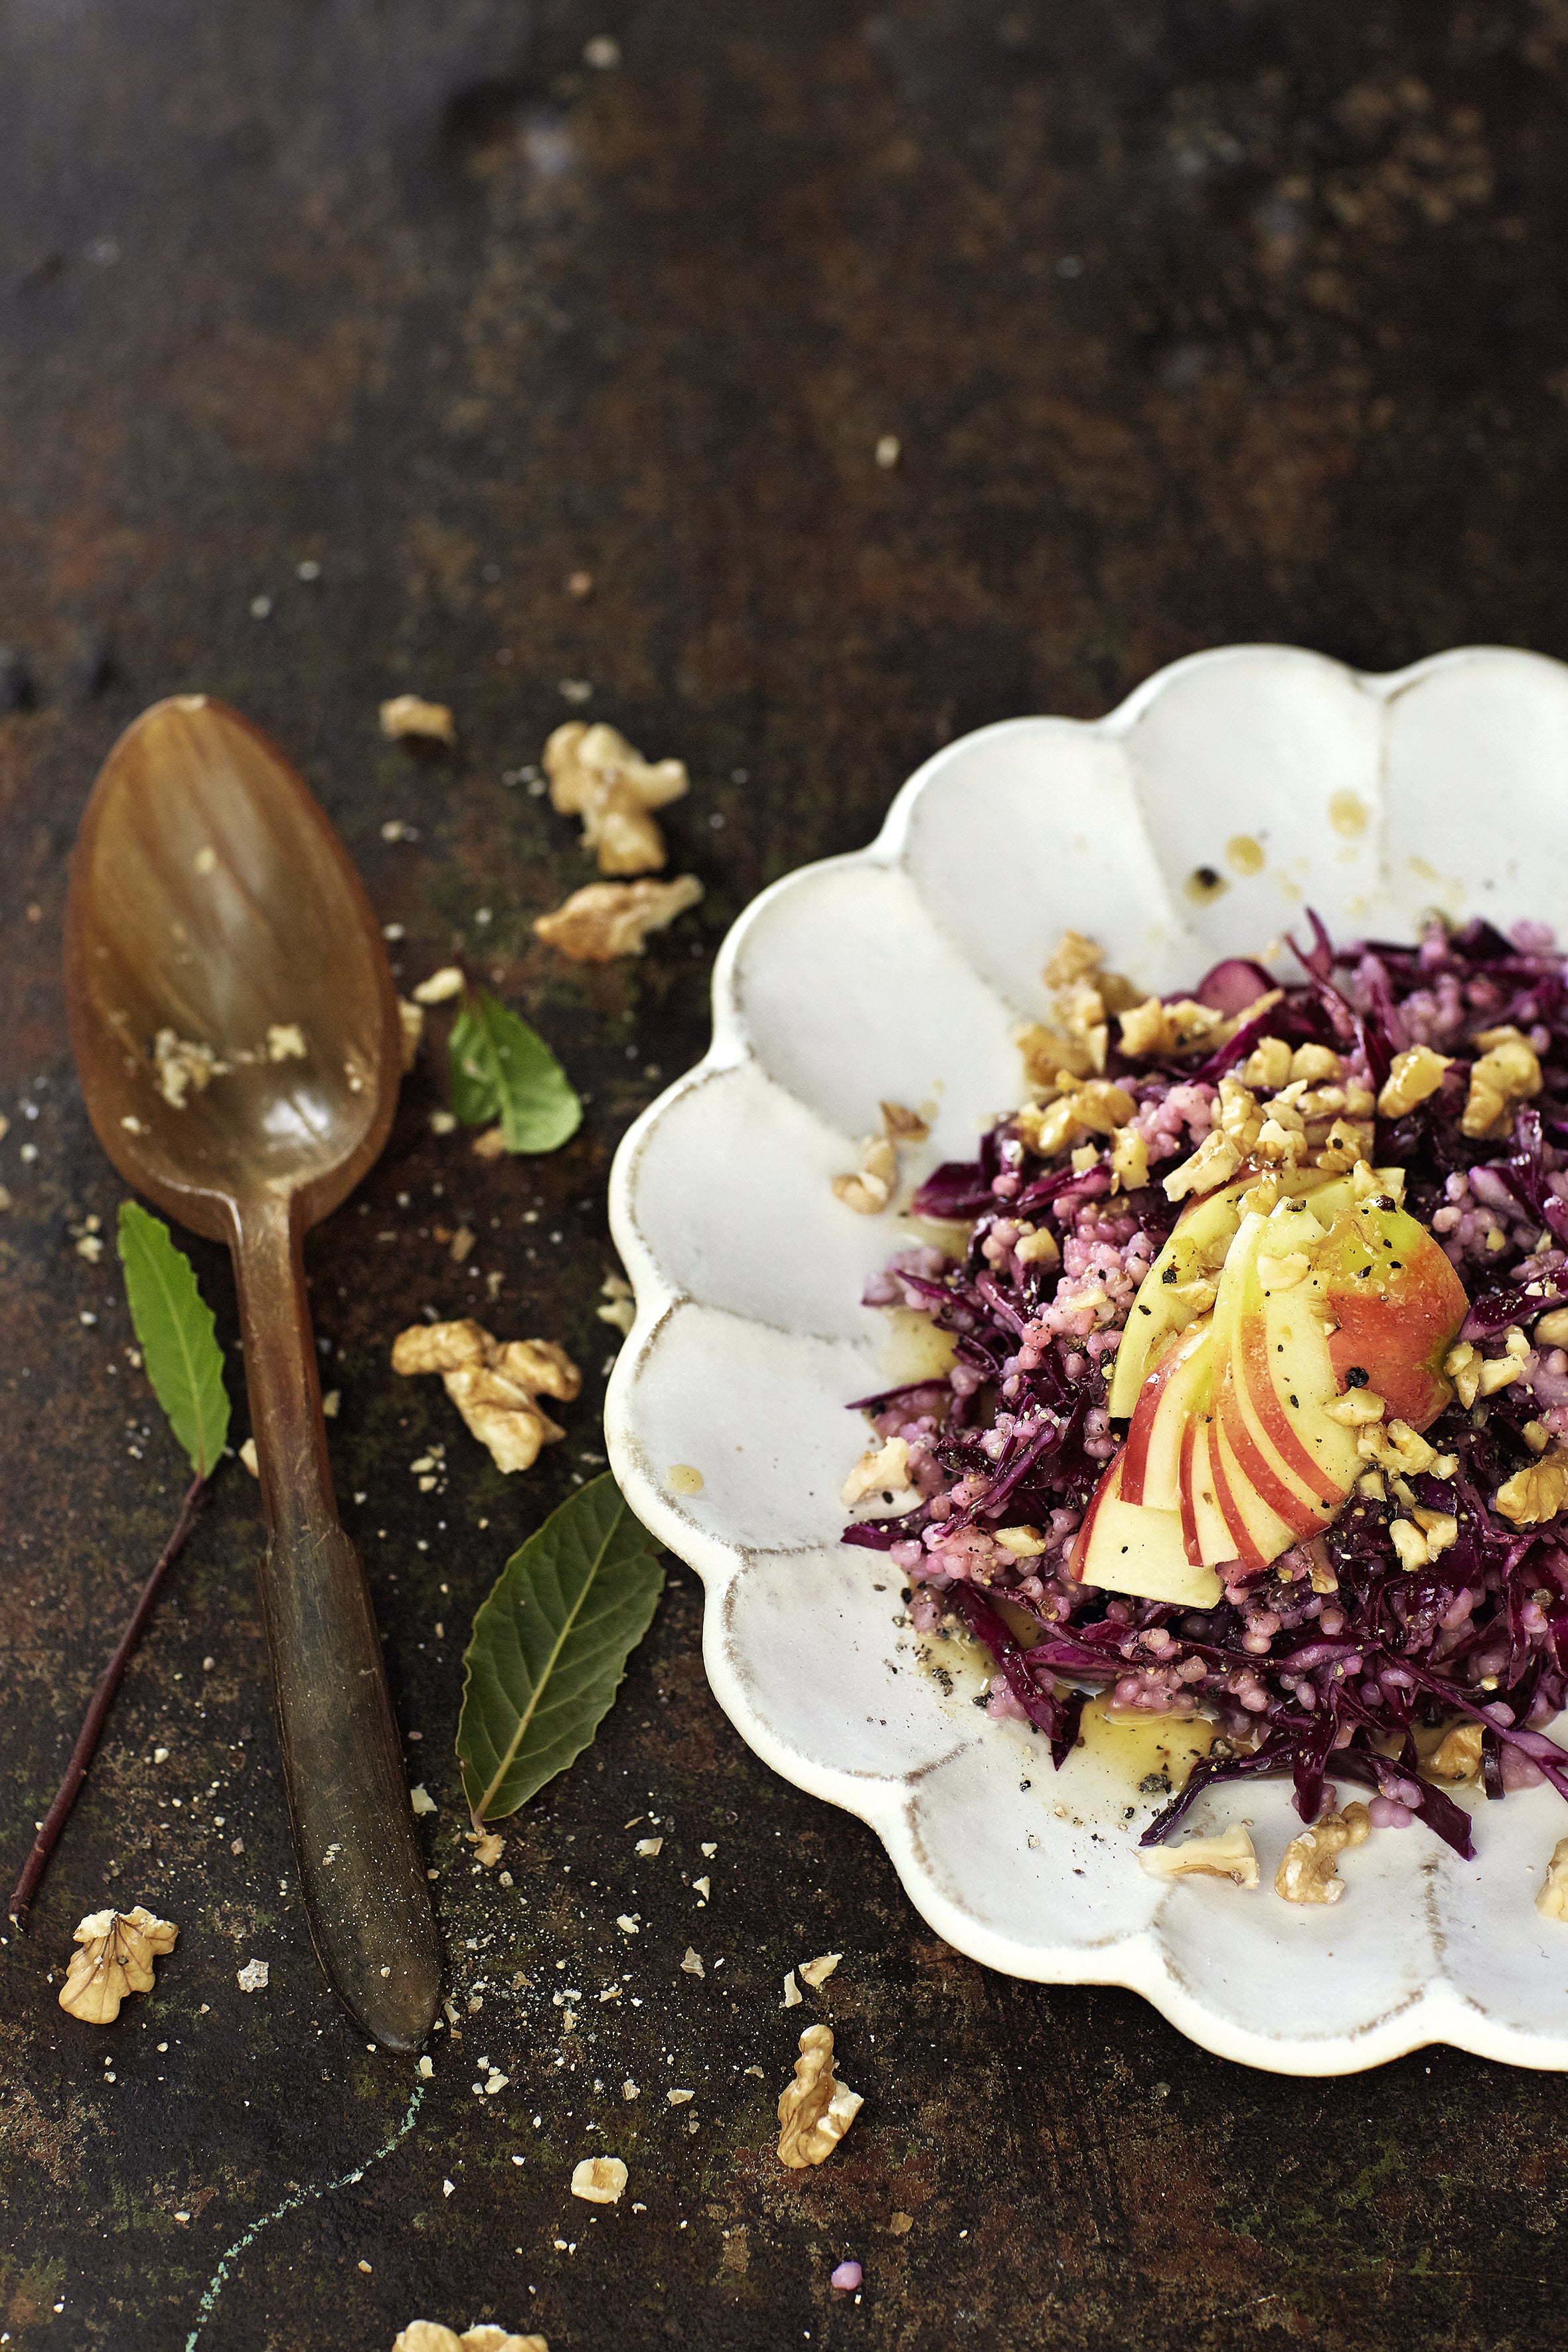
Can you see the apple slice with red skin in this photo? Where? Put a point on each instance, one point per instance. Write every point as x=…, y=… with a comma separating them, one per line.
x=1196, y=1250
x=1274, y=1376
x=1398, y=1304
x=1173, y=1392
x=1129, y=1547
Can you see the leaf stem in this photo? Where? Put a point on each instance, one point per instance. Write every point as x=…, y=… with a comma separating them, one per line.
x=108, y=1682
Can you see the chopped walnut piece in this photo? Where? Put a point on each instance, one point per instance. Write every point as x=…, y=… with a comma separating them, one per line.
x=1441, y=1529
x=1463, y=1365
x=607, y=919
x=1347, y=1141
x=247, y=1455
x=495, y=1385
x=599, y=2179
x=814, y=2110
x=1409, y=1543
x=430, y=2336
x=1553, y=1900
x=1046, y=1055
x=620, y=1307
x=1536, y=1436
x=1230, y=1856
x=1214, y=1163
x=1036, y=1245
x=1413, y=1075
x=446, y=982
x=1457, y=1757
x=1399, y=1449
x=118, y=1948
x=1073, y=958
x=595, y=773
x=1267, y=1065
x=1023, y=1542
x=1357, y=1408
x=902, y=1125
x=1307, y=1873
x=408, y=714
x=1498, y=1372
x=815, y=1973
x=489, y=1144
x=411, y=1031
x=1536, y=1493
x=887, y=1472
x=1314, y=1063
x=489, y=1845
x=1156, y=1028
x=1129, y=1161
x=1506, y=1073
x=183, y=1065
x=870, y=1188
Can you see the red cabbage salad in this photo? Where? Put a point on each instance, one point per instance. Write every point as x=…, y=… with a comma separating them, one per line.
x=1257, y=1405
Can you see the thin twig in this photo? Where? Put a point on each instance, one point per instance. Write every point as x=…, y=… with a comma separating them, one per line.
x=102, y=1699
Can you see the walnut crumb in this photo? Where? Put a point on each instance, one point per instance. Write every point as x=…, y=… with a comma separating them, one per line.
x=599, y=2179
x=1553, y=1900
x=408, y=714
x=441, y=985
x=494, y=1385
x=1506, y=1072
x=814, y=2110
x=815, y=1973
x=1457, y=1757
x=430, y=2336
x=870, y=1188
x=1230, y=1856
x=1413, y=1076
x=183, y=1065
x=1536, y=1493
x=886, y=1471
x=1307, y=1873
x=118, y=1948
x=411, y=1031
x=607, y=919
x=595, y=773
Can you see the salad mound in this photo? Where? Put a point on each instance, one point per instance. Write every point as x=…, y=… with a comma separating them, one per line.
x=1257, y=1405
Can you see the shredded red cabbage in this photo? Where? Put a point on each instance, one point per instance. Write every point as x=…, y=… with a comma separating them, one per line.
x=1336, y=1663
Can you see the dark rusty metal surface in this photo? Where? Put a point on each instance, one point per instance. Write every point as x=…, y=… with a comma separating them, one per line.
x=1195, y=322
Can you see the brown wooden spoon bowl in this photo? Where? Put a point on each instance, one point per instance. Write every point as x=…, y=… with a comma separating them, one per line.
x=213, y=911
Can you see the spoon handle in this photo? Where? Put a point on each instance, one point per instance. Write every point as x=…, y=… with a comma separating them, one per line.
x=360, y=1863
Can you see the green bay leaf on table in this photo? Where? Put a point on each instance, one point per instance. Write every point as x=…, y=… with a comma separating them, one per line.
x=173, y=1326
x=550, y=1646
x=501, y=1069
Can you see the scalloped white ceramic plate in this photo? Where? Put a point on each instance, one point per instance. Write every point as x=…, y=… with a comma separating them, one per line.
x=900, y=972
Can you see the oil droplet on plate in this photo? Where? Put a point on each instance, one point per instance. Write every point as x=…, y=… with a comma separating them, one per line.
x=684, y=1478
x=1244, y=855
x=1203, y=883
x=1349, y=814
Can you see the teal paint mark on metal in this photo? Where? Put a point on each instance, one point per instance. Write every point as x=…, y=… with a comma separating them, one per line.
x=220, y=2277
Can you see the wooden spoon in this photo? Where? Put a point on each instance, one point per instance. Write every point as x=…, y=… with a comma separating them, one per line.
x=210, y=899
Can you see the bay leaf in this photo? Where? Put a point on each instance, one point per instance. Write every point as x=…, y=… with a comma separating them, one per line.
x=173, y=1326
x=501, y=1069
x=550, y=1646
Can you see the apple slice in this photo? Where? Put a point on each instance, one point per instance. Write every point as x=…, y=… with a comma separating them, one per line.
x=1398, y=1304
x=1173, y=1392
x=1197, y=1249
x=1203, y=1522
x=1273, y=1345
x=1129, y=1547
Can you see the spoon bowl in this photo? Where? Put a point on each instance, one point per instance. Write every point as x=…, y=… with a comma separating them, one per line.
x=237, y=1034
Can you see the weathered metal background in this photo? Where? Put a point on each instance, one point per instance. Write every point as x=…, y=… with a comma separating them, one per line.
x=1195, y=322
